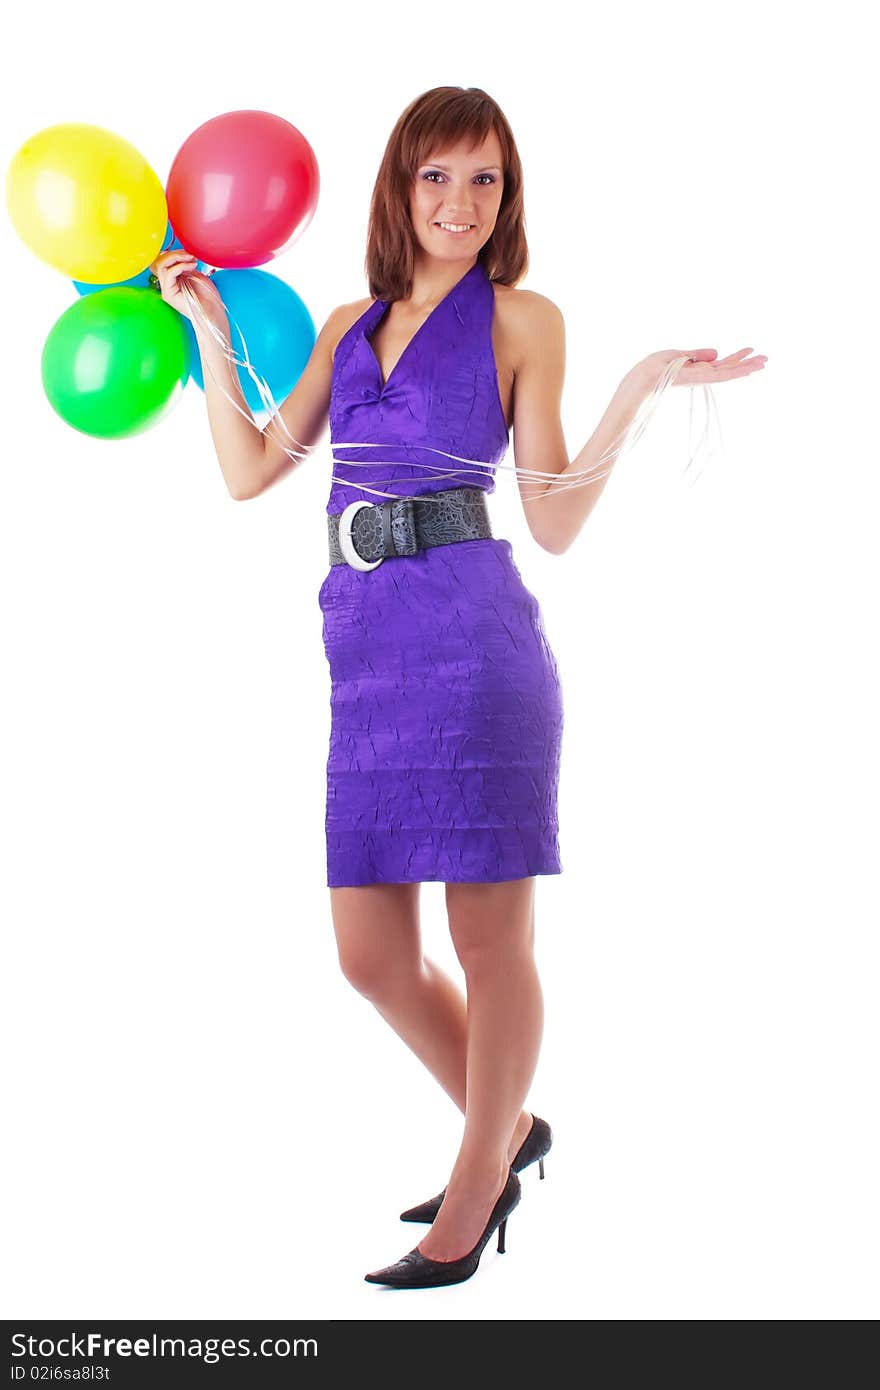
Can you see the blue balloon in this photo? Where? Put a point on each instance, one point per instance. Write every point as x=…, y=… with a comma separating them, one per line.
x=278, y=329
x=142, y=279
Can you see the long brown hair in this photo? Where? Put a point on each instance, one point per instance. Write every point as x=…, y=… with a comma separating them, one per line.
x=437, y=119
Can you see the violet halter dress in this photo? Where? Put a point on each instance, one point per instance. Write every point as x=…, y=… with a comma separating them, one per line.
x=446, y=705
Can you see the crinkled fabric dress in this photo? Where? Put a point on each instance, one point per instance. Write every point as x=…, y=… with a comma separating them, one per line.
x=446, y=705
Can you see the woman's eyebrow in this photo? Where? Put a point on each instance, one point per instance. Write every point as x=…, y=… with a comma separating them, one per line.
x=432, y=163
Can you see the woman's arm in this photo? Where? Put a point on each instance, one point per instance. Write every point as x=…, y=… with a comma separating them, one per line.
x=238, y=443
x=305, y=411
x=301, y=418
x=539, y=443
x=564, y=503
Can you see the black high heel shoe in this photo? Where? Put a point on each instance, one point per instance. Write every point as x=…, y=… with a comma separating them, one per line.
x=416, y=1271
x=535, y=1145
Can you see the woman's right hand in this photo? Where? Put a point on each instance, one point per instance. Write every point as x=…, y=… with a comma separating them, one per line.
x=170, y=267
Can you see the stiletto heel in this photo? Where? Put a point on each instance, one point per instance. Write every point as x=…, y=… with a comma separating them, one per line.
x=535, y=1145
x=417, y=1271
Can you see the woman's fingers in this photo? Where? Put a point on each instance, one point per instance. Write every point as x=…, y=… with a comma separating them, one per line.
x=168, y=259
x=715, y=371
x=737, y=356
x=735, y=359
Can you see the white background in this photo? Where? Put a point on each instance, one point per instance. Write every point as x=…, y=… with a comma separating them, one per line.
x=205, y=1119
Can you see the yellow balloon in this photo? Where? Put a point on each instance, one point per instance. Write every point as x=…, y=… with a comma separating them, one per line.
x=87, y=202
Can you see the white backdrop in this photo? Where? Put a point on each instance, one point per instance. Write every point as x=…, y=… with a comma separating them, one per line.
x=206, y=1119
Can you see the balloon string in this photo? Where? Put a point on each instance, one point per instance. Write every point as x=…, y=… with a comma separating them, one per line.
x=550, y=483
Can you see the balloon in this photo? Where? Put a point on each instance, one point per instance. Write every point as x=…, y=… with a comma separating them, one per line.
x=84, y=200
x=142, y=279
x=242, y=188
x=278, y=330
x=115, y=362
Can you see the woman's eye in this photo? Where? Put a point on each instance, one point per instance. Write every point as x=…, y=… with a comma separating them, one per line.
x=431, y=172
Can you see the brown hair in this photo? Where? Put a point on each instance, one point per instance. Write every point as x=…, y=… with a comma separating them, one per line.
x=436, y=119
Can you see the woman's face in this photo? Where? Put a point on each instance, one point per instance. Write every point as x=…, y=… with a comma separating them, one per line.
x=458, y=185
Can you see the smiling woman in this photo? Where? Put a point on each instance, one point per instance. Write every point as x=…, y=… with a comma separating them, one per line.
x=446, y=702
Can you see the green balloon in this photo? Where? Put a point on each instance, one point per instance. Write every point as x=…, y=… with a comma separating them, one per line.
x=116, y=362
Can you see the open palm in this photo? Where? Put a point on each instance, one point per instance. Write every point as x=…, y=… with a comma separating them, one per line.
x=704, y=367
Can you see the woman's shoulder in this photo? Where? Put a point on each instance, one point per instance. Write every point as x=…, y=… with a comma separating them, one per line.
x=529, y=324
x=528, y=306
x=343, y=318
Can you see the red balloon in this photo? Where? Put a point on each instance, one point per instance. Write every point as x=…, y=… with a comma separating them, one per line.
x=242, y=188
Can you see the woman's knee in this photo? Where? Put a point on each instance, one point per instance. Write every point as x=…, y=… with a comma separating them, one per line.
x=491, y=924
x=377, y=936
x=369, y=967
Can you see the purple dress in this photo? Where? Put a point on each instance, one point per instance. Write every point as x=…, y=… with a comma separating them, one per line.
x=446, y=705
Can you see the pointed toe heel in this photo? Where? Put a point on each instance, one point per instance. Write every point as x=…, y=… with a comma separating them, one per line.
x=417, y=1271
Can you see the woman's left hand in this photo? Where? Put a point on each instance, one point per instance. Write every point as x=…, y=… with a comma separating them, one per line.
x=702, y=368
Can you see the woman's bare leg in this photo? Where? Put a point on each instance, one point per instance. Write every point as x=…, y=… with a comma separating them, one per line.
x=492, y=927
x=378, y=939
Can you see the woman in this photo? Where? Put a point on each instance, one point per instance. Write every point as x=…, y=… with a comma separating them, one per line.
x=446, y=703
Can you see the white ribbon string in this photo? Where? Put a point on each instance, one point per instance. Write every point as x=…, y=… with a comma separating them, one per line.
x=546, y=484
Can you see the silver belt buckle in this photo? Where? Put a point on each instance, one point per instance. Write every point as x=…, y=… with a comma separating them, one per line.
x=346, y=544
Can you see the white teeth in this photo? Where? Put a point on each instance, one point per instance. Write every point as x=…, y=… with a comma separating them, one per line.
x=454, y=227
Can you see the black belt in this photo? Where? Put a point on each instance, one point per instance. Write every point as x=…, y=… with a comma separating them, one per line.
x=366, y=533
